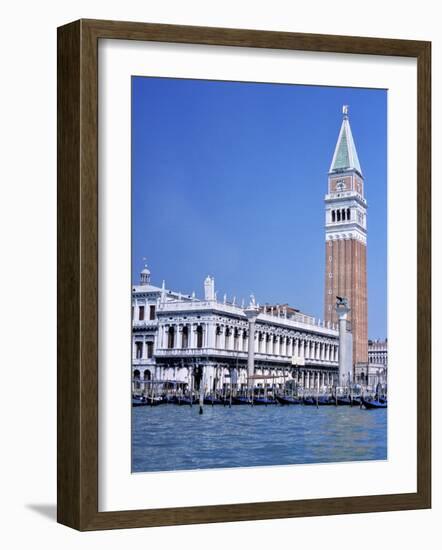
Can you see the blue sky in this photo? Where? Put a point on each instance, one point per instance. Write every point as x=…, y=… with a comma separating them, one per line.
x=228, y=179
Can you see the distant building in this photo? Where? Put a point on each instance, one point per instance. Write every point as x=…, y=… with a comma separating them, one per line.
x=377, y=368
x=378, y=352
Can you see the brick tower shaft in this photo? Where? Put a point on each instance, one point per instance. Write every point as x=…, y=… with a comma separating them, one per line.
x=346, y=240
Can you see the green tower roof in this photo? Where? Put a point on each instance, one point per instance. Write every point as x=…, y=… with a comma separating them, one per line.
x=345, y=156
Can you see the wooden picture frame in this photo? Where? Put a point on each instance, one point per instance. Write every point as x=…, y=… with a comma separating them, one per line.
x=78, y=274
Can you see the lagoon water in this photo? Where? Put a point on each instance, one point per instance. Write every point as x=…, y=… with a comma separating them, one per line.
x=171, y=437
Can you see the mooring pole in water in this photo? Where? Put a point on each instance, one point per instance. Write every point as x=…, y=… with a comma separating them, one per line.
x=317, y=392
x=192, y=386
x=201, y=392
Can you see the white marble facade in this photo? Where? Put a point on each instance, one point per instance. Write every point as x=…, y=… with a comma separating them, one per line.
x=179, y=340
x=376, y=370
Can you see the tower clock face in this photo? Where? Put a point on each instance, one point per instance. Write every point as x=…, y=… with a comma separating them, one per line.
x=340, y=185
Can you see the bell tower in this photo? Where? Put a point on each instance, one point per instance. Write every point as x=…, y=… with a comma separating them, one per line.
x=346, y=239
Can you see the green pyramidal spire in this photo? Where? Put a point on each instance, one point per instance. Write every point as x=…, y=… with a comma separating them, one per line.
x=345, y=156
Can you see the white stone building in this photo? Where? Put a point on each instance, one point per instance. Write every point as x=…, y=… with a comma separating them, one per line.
x=377, y=368
x=179, y=341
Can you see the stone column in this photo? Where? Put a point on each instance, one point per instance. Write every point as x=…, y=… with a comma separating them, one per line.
x=345, y=348
x=211, y=328
x=252, y=313
x=178, y=336
x=277, y=349
x=223, y=329
x=192, y=335
x=289, y=346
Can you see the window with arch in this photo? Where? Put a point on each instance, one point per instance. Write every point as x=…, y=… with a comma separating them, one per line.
x=333, y=216
x=338, y=215
x=136, y=379
x=348, y=214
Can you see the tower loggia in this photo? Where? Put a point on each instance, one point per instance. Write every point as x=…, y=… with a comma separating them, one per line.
x=346, y=239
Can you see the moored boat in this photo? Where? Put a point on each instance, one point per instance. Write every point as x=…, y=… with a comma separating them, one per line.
x=264, y=401
x=138, y=402
x=186, y=400
x=287, y=400
x=343, y=400
x=211, y=400
x=374, y=403
x=143, y=401
x=241, y=400
x=324, y=400
x=309, y=401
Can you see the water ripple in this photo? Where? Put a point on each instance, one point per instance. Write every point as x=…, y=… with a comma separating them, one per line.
x=178, y=438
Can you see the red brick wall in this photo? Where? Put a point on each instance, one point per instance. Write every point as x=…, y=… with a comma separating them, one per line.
x=349, y=279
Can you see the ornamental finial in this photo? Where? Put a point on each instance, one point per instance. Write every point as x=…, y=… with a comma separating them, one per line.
x=345, y=111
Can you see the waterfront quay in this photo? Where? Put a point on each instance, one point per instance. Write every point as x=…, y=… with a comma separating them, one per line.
x=185, y=345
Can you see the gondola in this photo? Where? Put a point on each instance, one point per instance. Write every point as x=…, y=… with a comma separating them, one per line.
x=324, y=400
x=146, y=401
x=185, y=400
x=264, y=401
x=211, y=400
x=287, y=400
x=241, y=400
x=137, y=402
x=343, y=400
x=169, y=399
x=374, y=403
x=310, y=401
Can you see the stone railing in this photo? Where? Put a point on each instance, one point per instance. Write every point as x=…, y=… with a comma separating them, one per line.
x=308, y=324
x=197, y=305
x=143, y=361
x=344, y=195
x=146, y=323
x=234, y=354
x=302, y=322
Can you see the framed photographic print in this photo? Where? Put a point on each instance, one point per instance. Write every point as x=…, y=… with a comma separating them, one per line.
x=243, y=275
